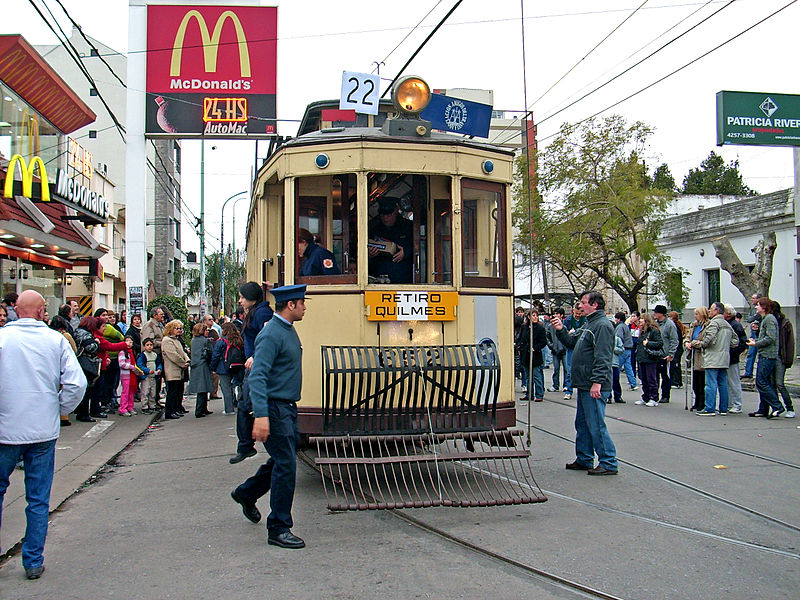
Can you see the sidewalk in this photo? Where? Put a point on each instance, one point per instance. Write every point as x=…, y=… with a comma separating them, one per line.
x=81, y=451
x=792, y=379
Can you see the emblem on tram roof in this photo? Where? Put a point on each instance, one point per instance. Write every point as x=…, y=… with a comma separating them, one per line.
x=455, y=115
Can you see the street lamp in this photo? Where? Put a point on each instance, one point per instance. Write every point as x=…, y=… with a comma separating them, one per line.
x=222, y=246
x=234, y=225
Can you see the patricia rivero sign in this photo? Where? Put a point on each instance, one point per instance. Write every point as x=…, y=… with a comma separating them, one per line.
x=211, y=70
x=411, y=306
x=758, y=119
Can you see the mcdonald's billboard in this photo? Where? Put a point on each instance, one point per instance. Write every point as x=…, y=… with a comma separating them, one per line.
x=211, y=70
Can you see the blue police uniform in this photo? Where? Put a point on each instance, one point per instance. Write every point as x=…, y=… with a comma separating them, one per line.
x=275, y=383
x=318, y=261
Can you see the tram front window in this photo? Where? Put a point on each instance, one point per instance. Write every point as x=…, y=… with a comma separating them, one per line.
x=409, y=229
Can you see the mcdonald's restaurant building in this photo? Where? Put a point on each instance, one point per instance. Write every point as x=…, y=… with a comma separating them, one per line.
x=52, y=209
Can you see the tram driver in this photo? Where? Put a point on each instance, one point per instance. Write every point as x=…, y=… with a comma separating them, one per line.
x=391, y=244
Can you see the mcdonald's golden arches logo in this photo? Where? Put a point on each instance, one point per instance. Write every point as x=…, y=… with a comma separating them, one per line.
x=210, y=42
x=26, y=174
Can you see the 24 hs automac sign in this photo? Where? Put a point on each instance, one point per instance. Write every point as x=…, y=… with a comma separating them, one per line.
x=211, y=70
x=758, y=119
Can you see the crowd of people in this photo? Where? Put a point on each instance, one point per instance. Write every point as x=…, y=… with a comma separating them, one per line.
x=656, y=352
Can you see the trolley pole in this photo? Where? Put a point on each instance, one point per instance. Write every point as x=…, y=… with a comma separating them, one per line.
x=222, y=245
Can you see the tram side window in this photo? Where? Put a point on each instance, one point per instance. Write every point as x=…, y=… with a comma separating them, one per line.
x=483, y=233
x=326, y=229
x=409, y=229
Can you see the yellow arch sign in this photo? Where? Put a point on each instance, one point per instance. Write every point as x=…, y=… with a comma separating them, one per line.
x=210, y=43
x=26, y=173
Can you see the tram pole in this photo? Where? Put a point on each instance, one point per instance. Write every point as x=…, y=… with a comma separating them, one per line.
x=222, y=246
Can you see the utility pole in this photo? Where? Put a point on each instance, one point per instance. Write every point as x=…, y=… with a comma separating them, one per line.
x=222, y=245
x=202, y=229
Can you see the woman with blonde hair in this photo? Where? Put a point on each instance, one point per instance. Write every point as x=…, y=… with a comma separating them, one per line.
x=648, y=352
x=695, y=332
x=175, y=362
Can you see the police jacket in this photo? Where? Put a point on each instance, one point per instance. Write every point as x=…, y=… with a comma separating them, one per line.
x=592, y=346
x=318, y=261
x=277, y=367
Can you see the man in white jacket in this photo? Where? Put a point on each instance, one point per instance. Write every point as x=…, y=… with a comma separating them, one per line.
x=40, y=379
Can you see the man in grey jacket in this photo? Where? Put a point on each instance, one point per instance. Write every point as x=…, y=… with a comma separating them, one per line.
x=590, y=369
x=669, y=334
x=716, y=344
x=40, y=378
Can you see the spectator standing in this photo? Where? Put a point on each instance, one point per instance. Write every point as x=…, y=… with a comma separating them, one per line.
x=734, y=382
x=154, y=329
x=135, y=332
x=633, y=323
x=200, y=374
x=558, y=352
x=150, y=364
x=616, y=357
x=669, y=335
x=785, y=358
x=623, y=331
x=696, y=332
x=122, y=322
x=238, y=318
x=532, y=340
x=76, y=316
x=61, y=325
x=716, y=345
x=228, y=376
x=3, y=315
x=175, y=363
x=10, y=302
x=752, y=322
x=210, y=323
x=127, y=374
x=592, y=347
x=258, y=313
x=648, y=352
x=675, y=371
x=573, y=322
x=767, y=345
x=65, y=312
x=40, y=378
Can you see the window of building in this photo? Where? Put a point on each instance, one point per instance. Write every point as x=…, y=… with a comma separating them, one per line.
x=712, y=286
x=483, y=233
x=24, y=131
x=176, y=156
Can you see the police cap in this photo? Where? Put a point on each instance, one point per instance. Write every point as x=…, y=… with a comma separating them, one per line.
x=289, y=292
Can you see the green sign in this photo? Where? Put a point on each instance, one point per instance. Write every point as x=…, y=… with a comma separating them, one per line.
x=757, y=119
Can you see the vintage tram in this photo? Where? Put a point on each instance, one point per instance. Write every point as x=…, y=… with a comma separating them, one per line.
x=403, y=394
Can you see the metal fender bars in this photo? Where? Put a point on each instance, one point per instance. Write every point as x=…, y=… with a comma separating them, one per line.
x=410, y=427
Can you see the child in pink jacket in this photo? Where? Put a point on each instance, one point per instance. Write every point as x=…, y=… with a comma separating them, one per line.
x=127, y=374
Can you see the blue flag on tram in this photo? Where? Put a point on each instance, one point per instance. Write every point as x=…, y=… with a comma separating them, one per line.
x=458, y=116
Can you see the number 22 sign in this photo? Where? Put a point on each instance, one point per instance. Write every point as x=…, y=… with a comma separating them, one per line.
x=360, y=92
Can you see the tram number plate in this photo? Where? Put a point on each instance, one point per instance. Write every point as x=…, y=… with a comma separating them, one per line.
x=360, y=92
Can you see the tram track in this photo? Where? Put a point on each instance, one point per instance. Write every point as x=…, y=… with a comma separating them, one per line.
x=706, y=494
x=582, y=590
x=693, y=439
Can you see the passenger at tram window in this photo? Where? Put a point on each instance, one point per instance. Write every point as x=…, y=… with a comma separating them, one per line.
x=391, y=244
x=316, y=259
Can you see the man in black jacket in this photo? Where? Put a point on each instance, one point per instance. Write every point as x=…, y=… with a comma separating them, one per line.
x=531, y=341
x=592, y=348
x=734, y=381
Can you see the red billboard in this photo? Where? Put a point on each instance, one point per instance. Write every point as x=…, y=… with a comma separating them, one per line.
x=211, y=70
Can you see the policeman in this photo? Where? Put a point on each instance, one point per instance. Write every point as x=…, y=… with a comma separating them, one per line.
x=275, y=383
x=394, y=260
x=316, y=259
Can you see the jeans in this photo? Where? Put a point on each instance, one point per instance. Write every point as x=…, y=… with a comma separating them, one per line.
x=734, y=386
x=751, y=356
x=277, y=475
x=228, y=393
x=558, y=364
x=625, y=363
x=547, y=356
x=716, y=379
x=591, y=434
x=525, y=381
x=765, y=384
x=567, y=367
x=244, y=421
x=780, y=386
x=537, y=378
x=39, y=461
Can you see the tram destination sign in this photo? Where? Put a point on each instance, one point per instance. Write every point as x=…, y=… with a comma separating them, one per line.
x=410, y=305
x=758, y=119
x=211, y=71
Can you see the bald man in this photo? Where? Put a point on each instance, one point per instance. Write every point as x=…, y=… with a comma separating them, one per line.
x=40, y=379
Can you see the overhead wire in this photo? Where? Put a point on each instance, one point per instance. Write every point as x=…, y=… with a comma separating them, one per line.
x=679, y=69
x=412, y=30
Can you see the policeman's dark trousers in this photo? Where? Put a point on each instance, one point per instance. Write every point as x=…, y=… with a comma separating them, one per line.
x=244, y=421
x=277, y=475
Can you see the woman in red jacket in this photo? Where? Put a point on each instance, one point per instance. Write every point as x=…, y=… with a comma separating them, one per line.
x=95, y=326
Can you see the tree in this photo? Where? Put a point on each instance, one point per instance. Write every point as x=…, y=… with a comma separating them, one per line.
x=176, y=308
x=663, y=179
x=713, y=177
x=234, y=275
x=668, y=284
x=599, y=215
x=748, y=282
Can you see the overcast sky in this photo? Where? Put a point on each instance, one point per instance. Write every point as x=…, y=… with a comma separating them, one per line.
x=481, y=47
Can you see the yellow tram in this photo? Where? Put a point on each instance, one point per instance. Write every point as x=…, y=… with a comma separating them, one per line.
x=407, y=364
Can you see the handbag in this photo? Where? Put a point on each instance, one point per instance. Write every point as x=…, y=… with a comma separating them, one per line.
x=655, y=354
x=90, y=366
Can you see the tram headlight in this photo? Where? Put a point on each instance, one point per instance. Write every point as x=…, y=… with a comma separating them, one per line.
x=411, y=95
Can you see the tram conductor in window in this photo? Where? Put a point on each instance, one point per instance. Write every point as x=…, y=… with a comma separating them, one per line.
x=316, y=259
x=395, y=258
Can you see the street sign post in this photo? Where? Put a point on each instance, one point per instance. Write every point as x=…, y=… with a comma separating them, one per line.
x=758, y=119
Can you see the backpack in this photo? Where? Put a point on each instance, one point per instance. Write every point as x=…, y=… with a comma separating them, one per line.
x=786, y=342
x=234, y=358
